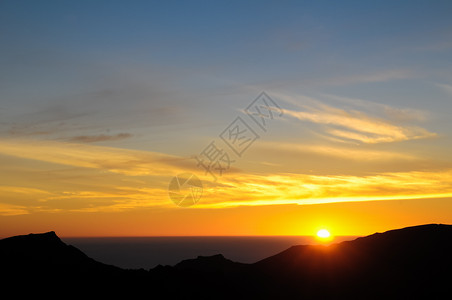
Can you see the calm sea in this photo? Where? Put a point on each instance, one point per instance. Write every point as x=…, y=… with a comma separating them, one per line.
x=148, y=252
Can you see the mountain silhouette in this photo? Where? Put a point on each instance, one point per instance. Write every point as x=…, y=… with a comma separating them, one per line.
x=412, y=262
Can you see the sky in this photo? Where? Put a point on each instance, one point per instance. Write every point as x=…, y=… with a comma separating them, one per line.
x=320, y=114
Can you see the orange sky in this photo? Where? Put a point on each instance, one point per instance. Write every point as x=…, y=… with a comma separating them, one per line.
x=360, y=218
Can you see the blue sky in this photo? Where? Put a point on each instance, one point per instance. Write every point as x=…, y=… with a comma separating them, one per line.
x=112, y=67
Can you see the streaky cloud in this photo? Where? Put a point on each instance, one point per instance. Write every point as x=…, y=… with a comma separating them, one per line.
x=358, y=125
x=99, y=138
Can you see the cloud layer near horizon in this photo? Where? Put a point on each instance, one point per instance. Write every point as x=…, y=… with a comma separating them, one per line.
x=124, y=184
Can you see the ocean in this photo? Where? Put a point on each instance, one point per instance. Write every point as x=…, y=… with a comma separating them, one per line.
x=148, y=252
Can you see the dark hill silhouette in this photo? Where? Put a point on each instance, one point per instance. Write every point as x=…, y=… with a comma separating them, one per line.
x=42, y=260
x=413, y=262
x=42, y=249
x=34, y=251
x=212, y=263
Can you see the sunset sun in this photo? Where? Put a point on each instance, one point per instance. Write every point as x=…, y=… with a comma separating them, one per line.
x=323, y=234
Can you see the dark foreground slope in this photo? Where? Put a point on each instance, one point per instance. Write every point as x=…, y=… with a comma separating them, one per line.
x=404, y=263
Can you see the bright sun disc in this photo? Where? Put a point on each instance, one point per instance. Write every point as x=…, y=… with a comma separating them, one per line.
x=323, y=233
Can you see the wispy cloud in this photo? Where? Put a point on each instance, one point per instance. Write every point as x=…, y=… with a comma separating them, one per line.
x=124, y=161
x=443, y=45
x=303, y=189
x=253, y=190
x=392, y=113
x=340, y=152
x=99, y=138
x=356, y=125
x=122, y=188
x=445, y=87
x=12, y=210
x=379, y=76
